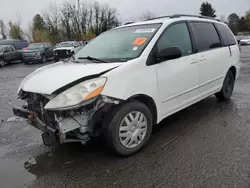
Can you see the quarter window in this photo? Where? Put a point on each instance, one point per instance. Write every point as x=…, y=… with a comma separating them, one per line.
x=226, y=34
x=206, y=36
x=176, y=36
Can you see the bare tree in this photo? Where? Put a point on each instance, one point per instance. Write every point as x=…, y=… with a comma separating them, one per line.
x=2, y=30
x=52, y=22
x=71, y=22
x=28, y=33
x=146, y=16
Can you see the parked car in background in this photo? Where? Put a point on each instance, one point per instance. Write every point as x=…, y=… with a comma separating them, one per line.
x=245, y=40
x=9, y=54
x=66, y=49
x=38, y=52
x=17, y=44
x=238, y=38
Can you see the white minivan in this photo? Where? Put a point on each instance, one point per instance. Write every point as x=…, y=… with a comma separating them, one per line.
x=129, y=79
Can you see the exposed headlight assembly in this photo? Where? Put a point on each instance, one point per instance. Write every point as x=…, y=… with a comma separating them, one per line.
x=76, y=95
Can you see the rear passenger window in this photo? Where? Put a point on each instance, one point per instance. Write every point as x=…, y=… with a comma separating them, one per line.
x=12, y=48
x=226, y=34
x=206, y=36
x=176, y=36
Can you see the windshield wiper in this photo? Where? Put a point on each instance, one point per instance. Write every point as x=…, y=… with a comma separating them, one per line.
x=93, y=59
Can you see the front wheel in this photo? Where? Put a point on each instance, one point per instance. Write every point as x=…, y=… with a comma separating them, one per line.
x=2, y=62
x=128, y=128
x=227, y=88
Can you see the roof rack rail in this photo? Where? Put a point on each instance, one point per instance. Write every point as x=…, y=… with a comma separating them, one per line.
x=158, y=18
x=184, y=15
x=196, y=16
x=129, y=23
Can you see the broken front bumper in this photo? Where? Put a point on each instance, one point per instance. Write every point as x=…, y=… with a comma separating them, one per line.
x=56, y=135
x=49, y=135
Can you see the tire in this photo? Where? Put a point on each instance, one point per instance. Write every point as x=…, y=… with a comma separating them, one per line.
x=56, y=59
x=227, y=88
x=2, y=63
x=114, y=125
x=44, y=59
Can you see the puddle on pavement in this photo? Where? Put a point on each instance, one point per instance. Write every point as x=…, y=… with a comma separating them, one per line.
x=13, y=170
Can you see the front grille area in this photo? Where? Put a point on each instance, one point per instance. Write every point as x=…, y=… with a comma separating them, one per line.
x=61, y=53
x=29, y=54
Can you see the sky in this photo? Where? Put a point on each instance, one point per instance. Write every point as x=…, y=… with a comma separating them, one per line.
x=128, y=9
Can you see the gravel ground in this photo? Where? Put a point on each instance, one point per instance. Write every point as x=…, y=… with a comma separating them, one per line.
x=205, y=145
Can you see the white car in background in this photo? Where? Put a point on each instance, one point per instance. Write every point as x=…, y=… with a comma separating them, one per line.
x=245, y=40
x=65, y=50
x=129, y=79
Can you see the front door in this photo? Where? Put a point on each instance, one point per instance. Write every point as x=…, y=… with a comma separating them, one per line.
x=178, y=79
x=8, y=54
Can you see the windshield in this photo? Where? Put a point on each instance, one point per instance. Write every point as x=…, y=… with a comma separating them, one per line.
x=65, y=44
x=35, y=46
x=119, y=45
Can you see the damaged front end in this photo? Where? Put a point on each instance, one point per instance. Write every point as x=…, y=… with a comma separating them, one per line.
x=65, y=125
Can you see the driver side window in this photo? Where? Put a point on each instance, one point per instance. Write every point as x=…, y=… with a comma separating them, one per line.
x=6, y=49
x=176, y=36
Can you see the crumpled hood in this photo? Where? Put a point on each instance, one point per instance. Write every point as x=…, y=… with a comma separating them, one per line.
x=50, y=78
x=64, y=48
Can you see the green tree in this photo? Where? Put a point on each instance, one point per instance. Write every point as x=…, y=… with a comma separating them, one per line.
x=15, y=30
x=233, y=22
x=242, y=24
x=39, y=31
x=247, y=19
x=207, y=10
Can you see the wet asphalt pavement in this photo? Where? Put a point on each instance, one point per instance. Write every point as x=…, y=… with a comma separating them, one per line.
x=205, y=145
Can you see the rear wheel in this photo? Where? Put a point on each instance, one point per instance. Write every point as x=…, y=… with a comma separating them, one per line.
x=227, y=88
x=44, y=59
x=128, y=128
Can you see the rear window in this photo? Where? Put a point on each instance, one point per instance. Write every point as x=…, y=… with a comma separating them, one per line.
x=206, y=36
x=227, y=35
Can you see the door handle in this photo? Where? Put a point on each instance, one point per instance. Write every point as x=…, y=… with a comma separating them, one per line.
x=203, y=59
x=194, y=61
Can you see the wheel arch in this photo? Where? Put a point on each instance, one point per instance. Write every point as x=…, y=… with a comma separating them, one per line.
x=149, y=102
x=233, y=69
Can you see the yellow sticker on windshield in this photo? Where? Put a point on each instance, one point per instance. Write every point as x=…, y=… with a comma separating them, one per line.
x=139, y=41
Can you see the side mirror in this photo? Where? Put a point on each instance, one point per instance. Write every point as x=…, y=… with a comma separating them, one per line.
x=169, y=53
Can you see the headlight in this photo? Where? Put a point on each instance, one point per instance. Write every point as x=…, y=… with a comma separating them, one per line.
x=37, y=54
x=77, y=94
